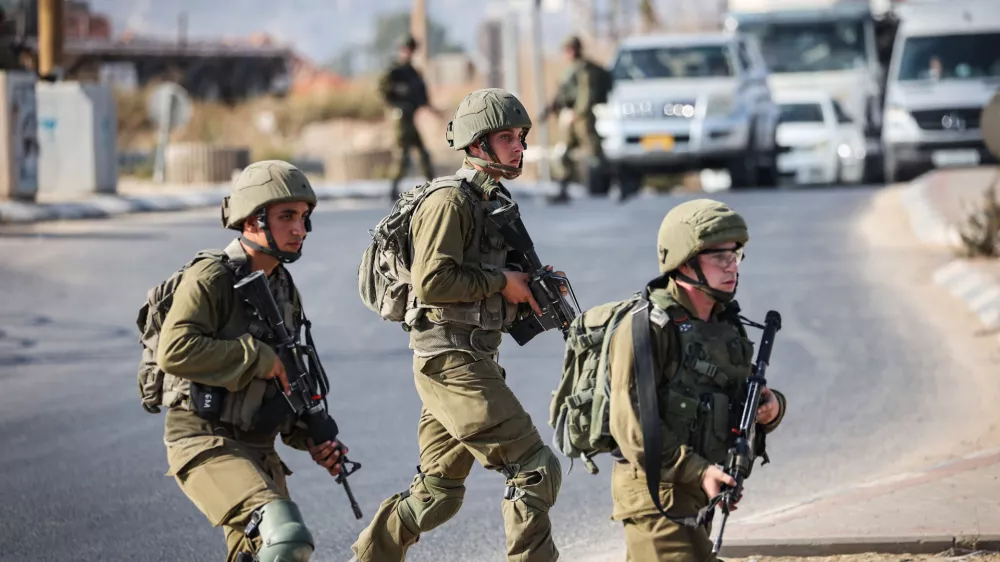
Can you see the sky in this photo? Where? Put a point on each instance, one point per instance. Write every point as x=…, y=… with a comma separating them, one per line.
x=318, y=29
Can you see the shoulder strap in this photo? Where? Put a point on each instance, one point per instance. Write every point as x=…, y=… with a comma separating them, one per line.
x=649, y=412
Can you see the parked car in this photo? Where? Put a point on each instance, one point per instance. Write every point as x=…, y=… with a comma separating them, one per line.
x=945, y=68
x=690, y=102
x=817, y=141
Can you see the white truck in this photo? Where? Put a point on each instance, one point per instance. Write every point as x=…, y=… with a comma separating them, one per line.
x=834, y=46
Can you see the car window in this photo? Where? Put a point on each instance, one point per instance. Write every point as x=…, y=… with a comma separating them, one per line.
x=801, y=113
x=700, y=61
x=838, y=111
x=950, y=57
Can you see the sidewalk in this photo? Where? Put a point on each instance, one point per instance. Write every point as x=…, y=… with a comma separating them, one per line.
x=143, y=197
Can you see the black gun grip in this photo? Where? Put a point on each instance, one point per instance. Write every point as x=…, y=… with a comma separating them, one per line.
x=322, y=427
x=525, y=330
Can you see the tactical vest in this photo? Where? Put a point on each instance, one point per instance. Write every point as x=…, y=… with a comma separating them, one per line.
x=702, y=402
x=240, y=407
x=473, y=326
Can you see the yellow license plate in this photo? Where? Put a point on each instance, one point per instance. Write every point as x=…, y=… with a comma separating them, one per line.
x=658, y=142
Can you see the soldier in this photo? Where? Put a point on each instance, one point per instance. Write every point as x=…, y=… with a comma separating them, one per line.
x=405, y=91
x=586, y=84
x=700, y=350
x=223, y=462
x=10, y=47
x=465, y=298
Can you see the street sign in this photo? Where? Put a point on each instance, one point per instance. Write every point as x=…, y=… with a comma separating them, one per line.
x=169, y=105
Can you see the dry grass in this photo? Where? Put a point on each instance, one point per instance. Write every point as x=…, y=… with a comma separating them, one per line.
x=981, y=233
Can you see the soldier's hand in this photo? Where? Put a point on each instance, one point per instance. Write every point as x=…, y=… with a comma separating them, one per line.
x=714, y=479
x=327, y=454
x=278, y=372
x=517, y=291
x=769, y=407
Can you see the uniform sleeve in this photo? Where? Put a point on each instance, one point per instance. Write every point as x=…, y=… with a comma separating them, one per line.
x=683, y=464
x=188, y=347
x=296, y=438
x=441, y=227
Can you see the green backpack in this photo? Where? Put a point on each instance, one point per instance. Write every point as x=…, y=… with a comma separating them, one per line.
x=579, y=412
x=149, y=321
x=384, y=279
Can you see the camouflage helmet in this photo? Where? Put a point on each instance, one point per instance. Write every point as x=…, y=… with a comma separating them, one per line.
x=261, y=184
x=693, y=226
x=482, y=112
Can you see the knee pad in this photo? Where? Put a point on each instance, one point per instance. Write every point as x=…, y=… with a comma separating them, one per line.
x=536, y=479
x=432, y=501
x=283, y=535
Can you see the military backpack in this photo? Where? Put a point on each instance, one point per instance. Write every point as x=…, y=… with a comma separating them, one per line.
x=384, y=280
x=150, y=321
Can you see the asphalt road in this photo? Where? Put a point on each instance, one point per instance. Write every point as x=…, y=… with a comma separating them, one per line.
x=81, y=467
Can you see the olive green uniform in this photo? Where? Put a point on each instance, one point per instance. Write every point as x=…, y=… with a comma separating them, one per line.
x=227, y=469
x=469, y=413
x=650, y=536
x=405, y=91
x=575, y=93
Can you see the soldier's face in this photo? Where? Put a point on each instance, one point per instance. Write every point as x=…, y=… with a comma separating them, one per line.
x=287, y=222
x=721, y=265
x=506, y=144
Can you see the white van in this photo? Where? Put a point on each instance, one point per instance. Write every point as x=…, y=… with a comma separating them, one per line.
x=945, y=68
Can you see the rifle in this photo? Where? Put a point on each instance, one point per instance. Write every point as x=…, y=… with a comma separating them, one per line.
x=306, y=376
x=743, y=453
x=553, y=293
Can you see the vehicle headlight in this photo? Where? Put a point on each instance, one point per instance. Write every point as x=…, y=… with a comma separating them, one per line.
x=635, y=109
x=722, y=106
x=899, y=119
x=844, y=151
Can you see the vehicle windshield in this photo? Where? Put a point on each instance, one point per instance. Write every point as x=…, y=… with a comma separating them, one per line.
x=801, y=113
x=810, y=47
x=673, y=62
x=950, y=57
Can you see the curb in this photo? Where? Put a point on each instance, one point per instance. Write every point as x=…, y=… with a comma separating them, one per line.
x=979, y=292
x=104, y=206
x=840, y=546
x=928, y=224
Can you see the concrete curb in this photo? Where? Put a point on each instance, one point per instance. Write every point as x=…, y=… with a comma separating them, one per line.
x=840, y=546
x=104, y=206
x=979, y=292
x=928, y=224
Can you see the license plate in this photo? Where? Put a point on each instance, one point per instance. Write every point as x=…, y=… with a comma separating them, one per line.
x=946, y=158
x=658, y=142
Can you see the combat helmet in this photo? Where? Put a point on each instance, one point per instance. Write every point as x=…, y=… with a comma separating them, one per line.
x=482, y=112
x=690, y=228
x=259, y=186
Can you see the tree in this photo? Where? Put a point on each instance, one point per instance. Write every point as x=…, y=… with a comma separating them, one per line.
x=389, y=28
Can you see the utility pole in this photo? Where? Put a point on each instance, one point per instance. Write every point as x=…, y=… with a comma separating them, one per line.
x=50, y=36
x=538, y=77
x=418, y=28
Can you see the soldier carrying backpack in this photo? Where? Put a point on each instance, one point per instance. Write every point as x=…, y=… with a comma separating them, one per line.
x=213, y=365
x=684, y=379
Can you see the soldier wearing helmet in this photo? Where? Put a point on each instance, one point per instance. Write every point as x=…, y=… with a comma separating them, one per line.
x=585, y=85
x=217, y=361
x=467, y=295
x=702, y=358
x=405, y=92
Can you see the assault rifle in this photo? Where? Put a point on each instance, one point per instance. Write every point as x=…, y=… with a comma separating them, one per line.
x=553, y=293
x=743, y=453
x=306, y=377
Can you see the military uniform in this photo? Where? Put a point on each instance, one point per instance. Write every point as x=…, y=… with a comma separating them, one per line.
x=405, y=91
x=701, y=367
x=469, y=413
x=577, y=92
x=227, y=466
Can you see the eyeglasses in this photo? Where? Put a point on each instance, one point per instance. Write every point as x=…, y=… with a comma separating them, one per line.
x=723, y=257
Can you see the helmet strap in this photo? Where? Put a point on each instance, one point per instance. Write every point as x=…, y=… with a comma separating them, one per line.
x=272, y=247
x=702, y=285
x=493, y=164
